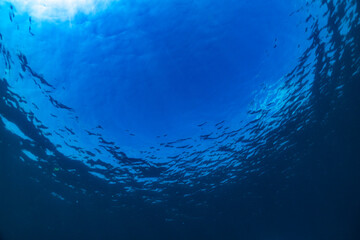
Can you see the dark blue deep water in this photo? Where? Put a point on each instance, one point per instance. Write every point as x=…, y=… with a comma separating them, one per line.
x=180, y=119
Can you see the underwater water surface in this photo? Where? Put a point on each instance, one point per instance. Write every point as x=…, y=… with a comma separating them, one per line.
x=180, y=119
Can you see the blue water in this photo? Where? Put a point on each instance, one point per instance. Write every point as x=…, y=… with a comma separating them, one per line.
x=180, y=119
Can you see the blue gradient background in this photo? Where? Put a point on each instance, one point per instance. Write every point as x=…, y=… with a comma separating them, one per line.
x=180, y=120
x=163, y=67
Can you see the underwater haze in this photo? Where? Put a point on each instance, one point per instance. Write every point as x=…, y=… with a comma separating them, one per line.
x=180, y=119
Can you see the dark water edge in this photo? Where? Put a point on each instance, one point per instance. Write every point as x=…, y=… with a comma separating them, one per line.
x=320, y=203
x=311, y=189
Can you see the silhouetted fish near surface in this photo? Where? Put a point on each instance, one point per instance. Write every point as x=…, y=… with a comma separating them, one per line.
x=202, y=124
x=217, y=124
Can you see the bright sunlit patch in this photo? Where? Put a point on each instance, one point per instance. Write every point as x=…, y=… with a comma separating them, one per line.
x=57, y=9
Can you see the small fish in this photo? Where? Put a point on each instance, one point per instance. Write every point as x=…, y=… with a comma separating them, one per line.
x=219, y=123
x=202, y=124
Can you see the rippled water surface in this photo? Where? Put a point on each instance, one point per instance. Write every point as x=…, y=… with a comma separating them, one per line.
x=180, y=119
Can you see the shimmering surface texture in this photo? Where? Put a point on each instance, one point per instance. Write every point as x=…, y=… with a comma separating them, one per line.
x=180, y=119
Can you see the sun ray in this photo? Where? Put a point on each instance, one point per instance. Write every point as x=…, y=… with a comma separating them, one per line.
x=58, y=10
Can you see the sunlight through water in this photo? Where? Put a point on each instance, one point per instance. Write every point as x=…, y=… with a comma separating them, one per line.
x=58, y=9
x=179, y=119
